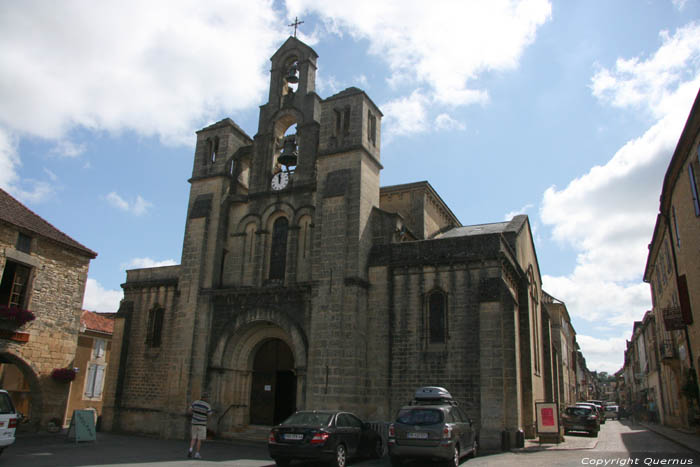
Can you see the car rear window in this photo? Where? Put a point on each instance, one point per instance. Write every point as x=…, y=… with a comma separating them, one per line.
x=308, y=418
x=420, y=416
x=579, y=411
x=6, y=404
x=611, y=408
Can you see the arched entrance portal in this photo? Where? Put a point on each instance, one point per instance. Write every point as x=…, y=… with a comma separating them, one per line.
x=273, y=387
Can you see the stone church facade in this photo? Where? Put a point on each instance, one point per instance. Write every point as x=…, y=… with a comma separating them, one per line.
x=307, y=285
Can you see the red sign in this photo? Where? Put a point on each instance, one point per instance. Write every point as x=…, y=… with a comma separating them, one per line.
x=547, y=417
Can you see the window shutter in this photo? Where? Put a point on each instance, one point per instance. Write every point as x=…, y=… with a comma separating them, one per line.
x=99, y=380
x=90, y=385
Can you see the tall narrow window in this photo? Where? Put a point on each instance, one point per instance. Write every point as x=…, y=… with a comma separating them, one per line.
x=278, y=250
x=675, y=226
x=215, y=150
x=14, y=285
x=99, y=347
x=155, y=327
x=338, y=121
x=436, y=317
x=94, y=380
x=694, y=189
x=346, y=121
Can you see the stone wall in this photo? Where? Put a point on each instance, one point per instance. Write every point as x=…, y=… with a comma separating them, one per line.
x=57, y=285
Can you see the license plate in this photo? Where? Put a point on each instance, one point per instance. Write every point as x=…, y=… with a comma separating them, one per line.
x=579, y=427
x=418, y=435
x=293, y=436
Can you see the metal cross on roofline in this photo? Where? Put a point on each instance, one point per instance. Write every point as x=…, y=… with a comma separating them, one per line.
x=296, y=23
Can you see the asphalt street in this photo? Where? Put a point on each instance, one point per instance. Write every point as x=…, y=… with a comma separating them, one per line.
x=619, y=443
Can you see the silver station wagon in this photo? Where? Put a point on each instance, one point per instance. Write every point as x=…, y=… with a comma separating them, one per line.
x=432, y=427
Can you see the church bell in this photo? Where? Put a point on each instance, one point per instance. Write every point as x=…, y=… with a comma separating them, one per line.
x=292, y=77
x=289, y=152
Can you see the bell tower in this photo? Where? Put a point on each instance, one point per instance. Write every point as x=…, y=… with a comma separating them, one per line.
x=289, y=122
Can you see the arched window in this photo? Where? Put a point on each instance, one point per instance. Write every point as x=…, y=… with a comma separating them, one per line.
x=278, y=250
x=437, y=317
x=215, y=150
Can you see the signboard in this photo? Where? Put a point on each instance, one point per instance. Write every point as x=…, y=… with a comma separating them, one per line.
x=673, y=318
x=547, y=417
x=82, y=426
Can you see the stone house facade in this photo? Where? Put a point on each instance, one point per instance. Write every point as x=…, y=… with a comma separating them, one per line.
x=42, y=271
x=310, y=286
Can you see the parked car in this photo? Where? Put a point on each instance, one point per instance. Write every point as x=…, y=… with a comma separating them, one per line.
x=432, y=427
x=8, y=420
x=597, y=408
x=612, y=412
x=601, y=408
x=581, y=418
x=323, y=435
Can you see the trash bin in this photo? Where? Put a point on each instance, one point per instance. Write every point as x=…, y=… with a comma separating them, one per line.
x=505, y=440
x=520, y=439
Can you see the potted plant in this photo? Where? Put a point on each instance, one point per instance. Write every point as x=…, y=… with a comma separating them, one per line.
x=16, y=315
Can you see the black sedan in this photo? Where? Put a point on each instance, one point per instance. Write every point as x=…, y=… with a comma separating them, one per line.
x=581, y=418
x=323, y=435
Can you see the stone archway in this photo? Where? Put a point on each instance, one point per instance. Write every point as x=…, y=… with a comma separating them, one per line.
x=22, y=383
x=280, y=346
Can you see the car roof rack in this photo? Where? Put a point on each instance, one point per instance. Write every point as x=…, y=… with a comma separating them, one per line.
x=432, y=395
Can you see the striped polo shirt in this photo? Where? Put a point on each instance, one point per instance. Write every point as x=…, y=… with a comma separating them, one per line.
x=200, y=412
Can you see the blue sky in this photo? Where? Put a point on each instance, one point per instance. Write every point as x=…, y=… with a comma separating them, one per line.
x=566, y=111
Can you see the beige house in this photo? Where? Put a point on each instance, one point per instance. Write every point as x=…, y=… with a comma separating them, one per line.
x=91, y=357
x=42, y=278
x=673, y=273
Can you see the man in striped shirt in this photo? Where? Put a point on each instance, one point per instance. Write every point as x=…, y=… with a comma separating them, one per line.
x=200, y=410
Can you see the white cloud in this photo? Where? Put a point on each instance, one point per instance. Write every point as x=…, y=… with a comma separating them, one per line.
x=138, y=263
x=158, y=68
x=68, y=148
x=445, y=122
x=523, y=210
x=138, y=207
x=603, y=354
x=405, y=115
x=439, y=48
x=97, y=298
x=9, y=161
x=608, y=214
x=651, y=84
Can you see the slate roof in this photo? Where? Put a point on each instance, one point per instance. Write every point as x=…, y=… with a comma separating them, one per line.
x=100, y=322
x=15, y=213
x=514, y=225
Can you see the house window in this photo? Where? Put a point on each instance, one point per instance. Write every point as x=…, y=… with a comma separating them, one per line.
x=675, y=226
x=437, y=306
x=14, y=285
x=95, y=380
x=278, y=251
x=694, y=189
x=99, y=347
x=155, y=327
x=24, y=243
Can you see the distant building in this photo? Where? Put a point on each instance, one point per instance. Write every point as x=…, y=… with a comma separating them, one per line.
x=91, y=357
x=564, y=350
x=43, y=274
x=309, y=286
